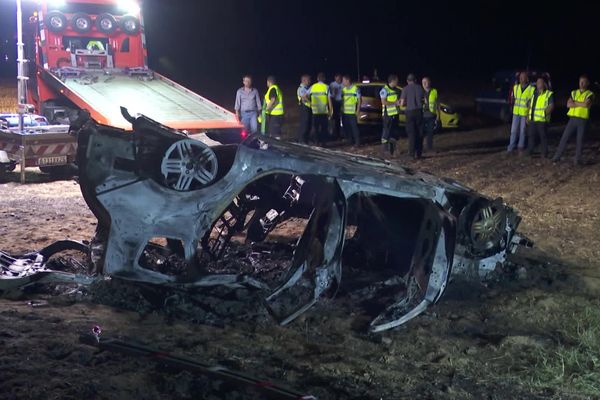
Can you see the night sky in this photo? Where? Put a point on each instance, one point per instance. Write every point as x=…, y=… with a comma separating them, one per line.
x=208, y=45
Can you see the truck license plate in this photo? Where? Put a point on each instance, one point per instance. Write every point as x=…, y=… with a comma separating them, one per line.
x=58, y=160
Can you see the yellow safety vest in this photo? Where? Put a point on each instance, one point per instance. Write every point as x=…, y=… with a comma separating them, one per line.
x=432, y=100
x=318, y=98
x=95, y=45
x=278, y=109
x=579, y=96
x=350, y=99
x=300, y=101
x=522, y=98
x=392, y=97
x=539, y=108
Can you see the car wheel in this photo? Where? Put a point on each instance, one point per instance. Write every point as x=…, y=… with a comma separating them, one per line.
x=130, y=24
x=106, y=23
x=56, y=21
x=81, y=23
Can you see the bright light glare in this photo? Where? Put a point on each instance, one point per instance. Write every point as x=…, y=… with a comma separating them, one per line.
x=129, y=6
x=56, y=3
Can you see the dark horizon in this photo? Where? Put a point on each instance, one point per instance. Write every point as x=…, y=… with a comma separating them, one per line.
x=208, y=47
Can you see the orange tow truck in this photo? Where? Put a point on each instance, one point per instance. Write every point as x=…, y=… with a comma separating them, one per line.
x=92, y=55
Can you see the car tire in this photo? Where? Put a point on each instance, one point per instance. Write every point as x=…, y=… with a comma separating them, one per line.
x=130, y=24
x=106, y=23
x=56, y=21
x=81, y=23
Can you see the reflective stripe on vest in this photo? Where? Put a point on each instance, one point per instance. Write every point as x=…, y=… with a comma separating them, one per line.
x=432, y=99
x=350, y=99
x=300, y=101
x=278, y=109
x=522, y=98
x=580, y=97
x=318, y=98
x=392, y=97
x=539, y=108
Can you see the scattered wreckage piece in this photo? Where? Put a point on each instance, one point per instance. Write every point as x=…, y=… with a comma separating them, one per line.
x=157, y=182
x=18, y=272
x=265, y=388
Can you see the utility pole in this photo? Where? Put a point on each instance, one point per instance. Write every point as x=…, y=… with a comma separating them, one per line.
x=21, y=77
x=357, y=58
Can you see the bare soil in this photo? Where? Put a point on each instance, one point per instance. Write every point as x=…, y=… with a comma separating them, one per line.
x=488, y=341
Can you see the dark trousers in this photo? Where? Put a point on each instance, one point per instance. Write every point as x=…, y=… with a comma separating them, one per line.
x=414, y=130
x=351, y=128
x=535, y=130
x=320, y=122
x=305, y=124
x=578, y=125
x=335, y=119
x=389, y=133
x=428, y=131
x=274, y=124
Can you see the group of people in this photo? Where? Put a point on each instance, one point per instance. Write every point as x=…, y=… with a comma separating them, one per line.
x=324, y=108
x=421, y=109
x=331, y=110
x=532, y=108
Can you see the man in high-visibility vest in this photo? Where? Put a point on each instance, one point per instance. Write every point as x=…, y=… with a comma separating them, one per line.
x=390, y=108
x=350, y=110
x=305, y=115
x=273, y=108
x=431, y=112
x=538, y=116
x=521, y=95
x=579, y=105
x=321, y=107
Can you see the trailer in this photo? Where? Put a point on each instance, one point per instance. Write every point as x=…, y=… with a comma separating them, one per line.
x=92, y=55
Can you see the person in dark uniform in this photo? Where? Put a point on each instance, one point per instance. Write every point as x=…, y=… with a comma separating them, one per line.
x=305, y=111
x=412, y=98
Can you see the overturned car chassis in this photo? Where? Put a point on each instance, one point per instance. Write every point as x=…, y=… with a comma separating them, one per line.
x=199, y=199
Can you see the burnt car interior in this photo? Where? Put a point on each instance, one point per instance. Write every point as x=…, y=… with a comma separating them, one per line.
x=282, y=218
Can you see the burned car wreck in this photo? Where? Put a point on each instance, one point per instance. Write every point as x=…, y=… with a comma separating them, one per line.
x=159, y=191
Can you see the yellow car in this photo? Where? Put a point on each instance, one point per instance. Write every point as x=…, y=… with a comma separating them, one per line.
x=370, y=107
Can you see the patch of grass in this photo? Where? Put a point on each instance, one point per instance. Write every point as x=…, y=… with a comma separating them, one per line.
x=574, y=365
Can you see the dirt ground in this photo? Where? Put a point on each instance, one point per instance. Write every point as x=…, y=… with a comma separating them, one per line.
x=532, y=334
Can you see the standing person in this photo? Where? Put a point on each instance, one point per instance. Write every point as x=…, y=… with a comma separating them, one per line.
x=304, y=108
x=390, y=102
x=350, y=110
x=335, y=93
x=320, y=103
x=522, y=94
x=247, y=105
x=579, y=105
x=431, y=111
x=273, y=108
x=538, y=116
x=412, y=98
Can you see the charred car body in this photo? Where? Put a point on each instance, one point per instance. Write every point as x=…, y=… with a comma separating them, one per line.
x=159, y=183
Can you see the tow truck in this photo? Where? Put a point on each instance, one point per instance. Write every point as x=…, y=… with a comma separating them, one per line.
x=92, y=55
